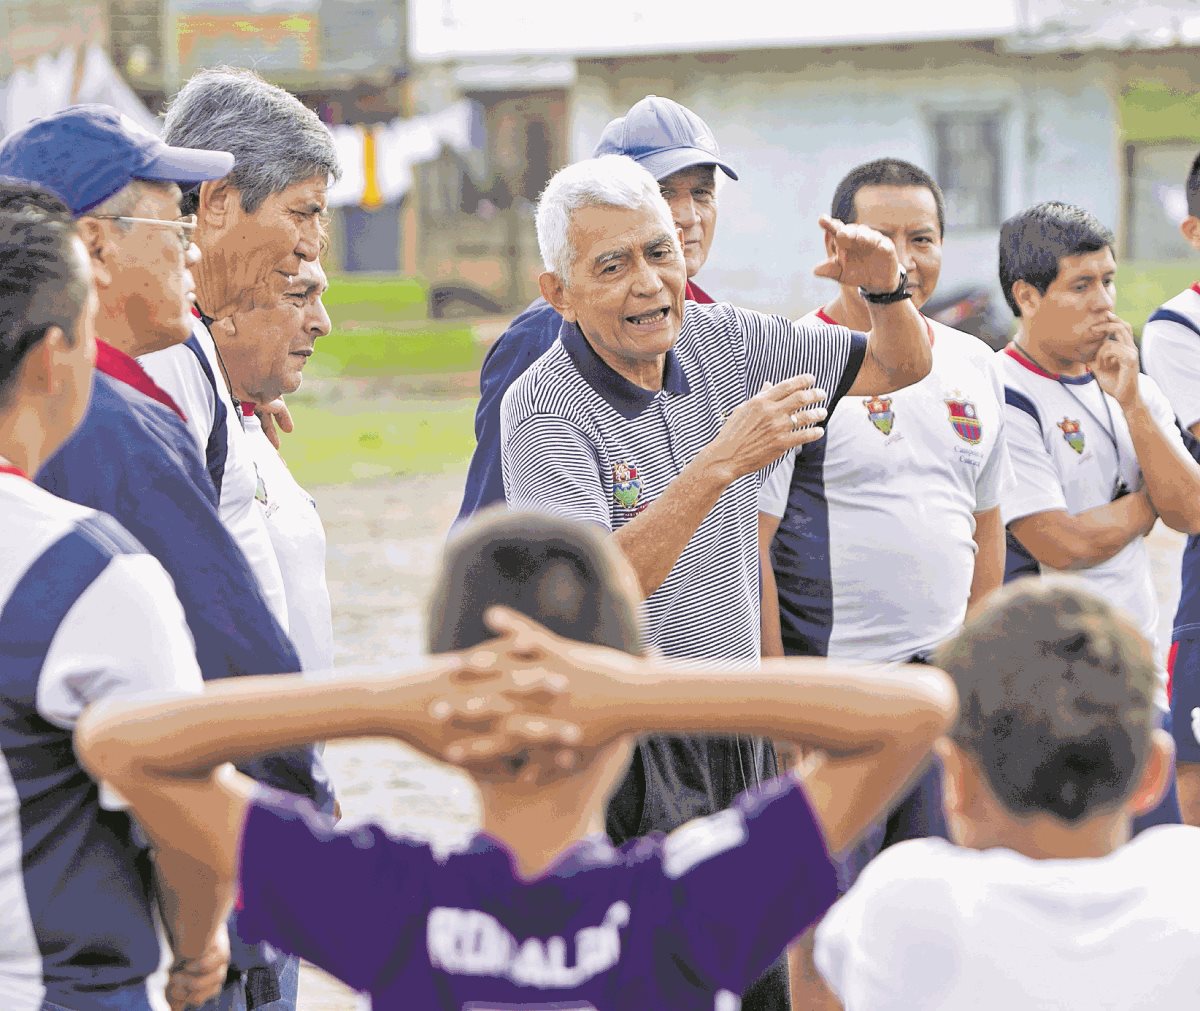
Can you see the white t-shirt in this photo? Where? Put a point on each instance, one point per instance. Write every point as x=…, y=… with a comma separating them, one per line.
x=936, y=927
x=1171, y=353
x=1064, y=438
x=177, y=370
x=85, y=615
x=298, y=538
x=901, y=477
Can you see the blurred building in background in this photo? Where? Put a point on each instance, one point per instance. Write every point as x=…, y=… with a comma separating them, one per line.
x=450, y=115
x=1006, y=102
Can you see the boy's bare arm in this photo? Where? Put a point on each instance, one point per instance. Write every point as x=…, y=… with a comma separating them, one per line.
x=876, y=726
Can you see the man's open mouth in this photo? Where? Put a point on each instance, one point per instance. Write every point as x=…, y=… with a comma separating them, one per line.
x=649, y=318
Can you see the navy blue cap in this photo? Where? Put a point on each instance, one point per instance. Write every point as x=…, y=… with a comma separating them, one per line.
x=663, y=137
x=87, y=153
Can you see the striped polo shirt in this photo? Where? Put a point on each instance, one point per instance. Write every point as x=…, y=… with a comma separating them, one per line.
x=579, y=440
x=85, y=615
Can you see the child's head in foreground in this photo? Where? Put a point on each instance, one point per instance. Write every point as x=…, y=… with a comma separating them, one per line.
x=1058, y=727
x=568, y=576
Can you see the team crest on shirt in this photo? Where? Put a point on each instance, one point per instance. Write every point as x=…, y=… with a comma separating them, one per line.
x=1073, y=433
x=260, y=487
x=964, y=419
x=879, y=410
x=627, y=486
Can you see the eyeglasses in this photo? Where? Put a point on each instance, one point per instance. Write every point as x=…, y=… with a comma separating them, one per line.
x=186, y=225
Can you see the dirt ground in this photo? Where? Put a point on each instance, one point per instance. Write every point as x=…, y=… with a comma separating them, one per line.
x=385, y=539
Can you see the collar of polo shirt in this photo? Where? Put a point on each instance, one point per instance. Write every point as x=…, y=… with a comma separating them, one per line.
x=626, y=398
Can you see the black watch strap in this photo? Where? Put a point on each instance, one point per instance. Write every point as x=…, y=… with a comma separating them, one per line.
x=888, y=297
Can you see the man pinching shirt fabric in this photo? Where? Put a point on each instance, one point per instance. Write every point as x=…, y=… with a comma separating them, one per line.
x=654, y=418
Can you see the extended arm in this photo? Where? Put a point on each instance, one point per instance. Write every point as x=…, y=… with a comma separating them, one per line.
x=876, y=727
x=898, y=352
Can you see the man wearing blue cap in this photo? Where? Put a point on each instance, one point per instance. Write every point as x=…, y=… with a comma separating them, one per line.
x=132, y=457
x=679, y=150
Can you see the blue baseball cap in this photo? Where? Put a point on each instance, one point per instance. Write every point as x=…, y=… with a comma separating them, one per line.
x=87, y=153
x=663, y=137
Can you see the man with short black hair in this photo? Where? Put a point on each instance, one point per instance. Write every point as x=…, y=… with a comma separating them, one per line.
x=1171, y=356
x=1094, y=445
x=879, y=539
x=679, y=150
x=1096, y=452
x=85, y=614
x=1045, y=901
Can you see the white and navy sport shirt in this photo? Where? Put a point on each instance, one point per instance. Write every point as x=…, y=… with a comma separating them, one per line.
x=85, y=614
x=1070, y=446
x=191, y=373
x=581, y=441
x=1171, y=352
x=1171, y=357
x=875, y=551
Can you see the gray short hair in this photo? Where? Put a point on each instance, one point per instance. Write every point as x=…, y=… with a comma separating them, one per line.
x=276, y=142
x=611, y=180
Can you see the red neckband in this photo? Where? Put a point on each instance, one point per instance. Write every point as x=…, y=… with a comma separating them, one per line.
x=6, y=468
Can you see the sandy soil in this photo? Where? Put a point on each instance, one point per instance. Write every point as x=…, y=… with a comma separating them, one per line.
x=385, y=539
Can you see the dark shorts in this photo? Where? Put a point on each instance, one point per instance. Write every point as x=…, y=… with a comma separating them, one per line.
x=1183, y=664
x=919, y=815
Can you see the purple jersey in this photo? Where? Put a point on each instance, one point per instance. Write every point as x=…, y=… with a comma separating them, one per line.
x=686, y=921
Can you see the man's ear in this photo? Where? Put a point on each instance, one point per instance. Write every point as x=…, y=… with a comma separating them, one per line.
x=556, y=293
x=216, y=202
x=1156, y=776
x=1027, y=297
x=957, y=787
x=100, y=249
x=1189, y=228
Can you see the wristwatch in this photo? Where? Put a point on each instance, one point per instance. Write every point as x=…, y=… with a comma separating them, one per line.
x=888, y=297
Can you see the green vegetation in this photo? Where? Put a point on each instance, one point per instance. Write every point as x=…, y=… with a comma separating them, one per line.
x=359, y=439
x=1151, y=111
x=1142, y=286
x=427, y=348
x=369, y=407
x=375, y=300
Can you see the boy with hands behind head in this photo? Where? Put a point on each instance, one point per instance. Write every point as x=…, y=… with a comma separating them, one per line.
x=540, y=910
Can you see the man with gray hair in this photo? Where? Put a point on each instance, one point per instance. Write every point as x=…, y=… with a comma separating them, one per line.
x=679, y=150
x=254, y=228
x=654, y=418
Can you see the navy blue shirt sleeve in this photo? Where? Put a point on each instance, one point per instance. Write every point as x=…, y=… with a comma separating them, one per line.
x=134, y=460
x=748, y=881
x=523, y=343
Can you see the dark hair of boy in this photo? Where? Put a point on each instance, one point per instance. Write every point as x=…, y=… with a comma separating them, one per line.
x=553, y=570
x=1056, y=693
x=1033, y=242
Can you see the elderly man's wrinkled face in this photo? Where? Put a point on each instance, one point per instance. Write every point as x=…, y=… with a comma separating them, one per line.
x=692, y=197
x=245, y=252
x=148, y=276
x=271, y=343
x=626, y=286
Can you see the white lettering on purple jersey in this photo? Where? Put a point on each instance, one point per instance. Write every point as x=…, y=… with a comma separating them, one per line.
x=467, y=942
x=702, y=840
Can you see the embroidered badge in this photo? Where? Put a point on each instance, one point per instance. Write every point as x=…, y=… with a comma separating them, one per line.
x=260, y=489
x=964, y=419
x=1072, y=433
x=627, y=486
x=879, y=410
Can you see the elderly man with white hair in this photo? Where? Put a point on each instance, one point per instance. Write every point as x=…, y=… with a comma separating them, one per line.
x=655, y=418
